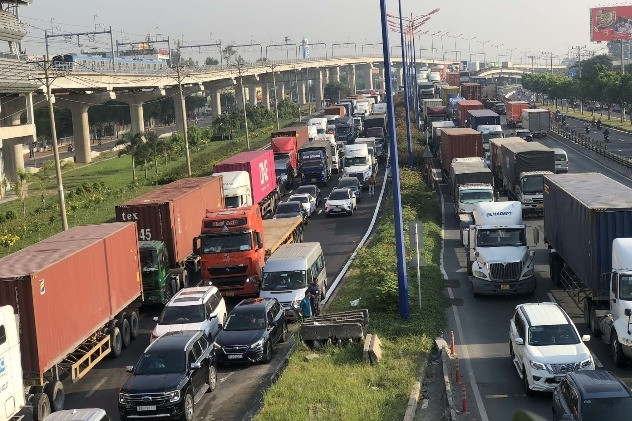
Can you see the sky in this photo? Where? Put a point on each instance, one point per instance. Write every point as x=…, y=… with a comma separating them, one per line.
x=529, y=27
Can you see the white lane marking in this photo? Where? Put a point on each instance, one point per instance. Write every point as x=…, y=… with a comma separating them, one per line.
x=345, y=268
x=320, y=211
x=96, y=387
x=470, y=372
x=598, y=363
x=223, y=379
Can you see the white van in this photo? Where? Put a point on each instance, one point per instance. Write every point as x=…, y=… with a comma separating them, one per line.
x=561, y=160
x=289, y=271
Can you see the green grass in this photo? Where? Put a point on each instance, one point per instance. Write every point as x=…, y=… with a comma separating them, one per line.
x=337, y=385
x=93, y=190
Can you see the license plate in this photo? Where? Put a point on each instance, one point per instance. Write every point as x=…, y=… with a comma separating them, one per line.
x=314, y=179
x=234, y=357
x=505, y=286
x=559, y=378
x=146, y=408
x=540, y=206
x=229, y=293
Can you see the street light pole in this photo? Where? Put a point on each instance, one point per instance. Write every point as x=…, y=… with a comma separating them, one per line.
x=184, y=121
x=243, y=104
x=276, y=99
x=409, y=136
x=402, y=281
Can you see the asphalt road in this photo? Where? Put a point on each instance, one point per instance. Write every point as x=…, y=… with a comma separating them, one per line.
x=240, y=390
x=620, y=142
x=481, y=325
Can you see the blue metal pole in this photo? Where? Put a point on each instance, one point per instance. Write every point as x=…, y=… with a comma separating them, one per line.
x=409, y=136
x=402, y=280
x=416, y=92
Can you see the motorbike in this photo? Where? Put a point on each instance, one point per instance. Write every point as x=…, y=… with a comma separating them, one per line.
x=587, y=128
x=606, y=137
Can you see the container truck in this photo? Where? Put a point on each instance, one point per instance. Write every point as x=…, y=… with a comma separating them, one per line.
x=335, y=158
x=463, y=106
x=357, y=163
x=471, y=91
x=74, y=299
x=375, y=126
x=315, y=162
x=263, y=187
x=495, y=159
x=345, y=129
x=482, y=117
x=439, y=113
x=514, y=112
x=166, y=222
x=453, y=107
x=490, y=132
x=537, y=121
x=300, y=133
x=371, y=144
x=362, y=108
x=448, y=92
x=453, y=78
x=434, y=131
x=348, y=107
x=335, y=111
x=284, y=148
x=587, y=227
x=235, y=243
x=426, y=90
x=524, y=165
x=430, y=102
x=498, y=258
x=319, y=122
x=459, y=143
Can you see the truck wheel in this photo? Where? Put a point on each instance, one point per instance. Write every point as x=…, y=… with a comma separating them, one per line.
x=55, y=392
x=468, y=263
x=126, y=337
x=615, y=349
x=116, y=342
x=594, y=325
x=133, y=325
x=587, y=311
x=41, y=407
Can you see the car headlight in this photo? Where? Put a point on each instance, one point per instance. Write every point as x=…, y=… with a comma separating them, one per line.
x=586, y=363
x=217, y=346
x=173, y=396
x=480, y=274
x=528, y=273
x=536, y=365
x=123, y=397
x=258, y=344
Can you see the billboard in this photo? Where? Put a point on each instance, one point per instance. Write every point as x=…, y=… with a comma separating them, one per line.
x=611, y=23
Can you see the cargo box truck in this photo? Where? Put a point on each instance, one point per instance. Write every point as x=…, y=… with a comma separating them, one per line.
x=459, y=143
x=537, y=121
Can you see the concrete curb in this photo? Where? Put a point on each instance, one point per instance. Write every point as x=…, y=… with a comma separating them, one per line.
x=413, y=400
x=445, y=362
x=286, y=359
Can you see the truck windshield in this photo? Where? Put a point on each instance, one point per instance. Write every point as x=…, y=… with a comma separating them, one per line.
x=277, y=281
x=226, y=243
x=149, y=260
x=358, y=160
x=546, y=335
x=625, y=287
x=532, y=184
x=311, y=164
x=232, y=201
x=172, y=315
x=507, y=237
x=475, y=196
x=343, y=130
x=161, y=362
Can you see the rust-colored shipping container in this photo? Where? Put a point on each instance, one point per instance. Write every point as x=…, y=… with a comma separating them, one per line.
x=299, y=132
x=514, y=112
x=471, y=91
x=173, y=213
x=460, y=143
x=68, y=287
x=337, y=110
x=453, y=78
x=464, y=106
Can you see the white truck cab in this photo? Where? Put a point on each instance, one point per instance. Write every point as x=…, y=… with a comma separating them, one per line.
x=335, y=155
x=358, y=163
x=530, y=191
x=371, y=145
x=490, y=131
x=12, y=386
x=237, y=189
x=497, y=254
x=319, y=122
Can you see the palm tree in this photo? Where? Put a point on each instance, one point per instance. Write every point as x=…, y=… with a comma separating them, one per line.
x=156, y=146
x=132, y=142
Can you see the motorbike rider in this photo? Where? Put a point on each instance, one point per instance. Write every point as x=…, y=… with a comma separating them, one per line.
x=599, y=123
x=593, y=122
x=606, y=134
x=587, y=127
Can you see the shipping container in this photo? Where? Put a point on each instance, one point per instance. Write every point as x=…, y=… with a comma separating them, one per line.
x=514, y=112
x=583, y=214
x=495, y=163
x=298, y=132
x=519, y=157
x=173, y=213
x=449, y=91
x=537, y=121
x=260, y=165
x=482, y=117
x=453, y=78
x=66, y=288
x=463, y=106
x=460, y=143
x=471, y=91
x=336, y=110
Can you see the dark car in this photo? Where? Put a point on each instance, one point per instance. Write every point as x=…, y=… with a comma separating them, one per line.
x=251, y=331
x=313, y=190
x=291, y=210
x=524, y=134
x=352, y=183
x=172, y=372
x=591, y=395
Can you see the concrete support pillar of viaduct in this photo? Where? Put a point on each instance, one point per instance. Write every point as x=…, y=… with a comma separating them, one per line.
x=179, y=105
x=325, y=73
x=12, y=139
x=368, y=81
x=318, y=90
x=266, y=88
x=302, y=99
x=78, y=105
x=252, y=94
x=352, y=78
x=334, y=74
x=215, y=92
x=135, y=100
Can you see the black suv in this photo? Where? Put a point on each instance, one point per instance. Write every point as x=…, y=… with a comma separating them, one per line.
x=591, y=395
x=170, y=378
x=251, y=331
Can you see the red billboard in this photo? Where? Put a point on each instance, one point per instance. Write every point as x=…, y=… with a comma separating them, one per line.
x=611, y=23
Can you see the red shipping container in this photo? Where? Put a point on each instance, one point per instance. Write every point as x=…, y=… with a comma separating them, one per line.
x=285, y=145
x=337, y=110
x=460, y=143
x=464, y=106
x=453, y=78
x=67, y=287
x=260, y=166
x=514, y=111
x=301, y=133
x=172, y=213
x=471, y=91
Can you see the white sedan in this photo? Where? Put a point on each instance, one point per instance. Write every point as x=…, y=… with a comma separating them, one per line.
x=307, y=201
x=340, y=201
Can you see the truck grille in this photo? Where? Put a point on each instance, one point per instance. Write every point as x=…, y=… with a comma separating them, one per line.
x=147, y=399
x=357, y=175
x=229, y=281
x=564, y=368
x=538, y=200
x=228, y=270
x=505, y=271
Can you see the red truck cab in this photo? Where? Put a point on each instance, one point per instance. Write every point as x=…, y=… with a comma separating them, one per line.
x=231, y=250
x=284, y=146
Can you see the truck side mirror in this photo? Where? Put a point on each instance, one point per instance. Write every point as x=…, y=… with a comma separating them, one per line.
x=627, y=312
x=259, y=239
x=197, y=245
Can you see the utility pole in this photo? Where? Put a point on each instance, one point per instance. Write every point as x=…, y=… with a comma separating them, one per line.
x=276, y=99
x=199, y=46
x=298, y=99
x=48, y=81
x=243, y=104
x=80, y=34
x=579, y=67
x=184, y=120
x=532, y=57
